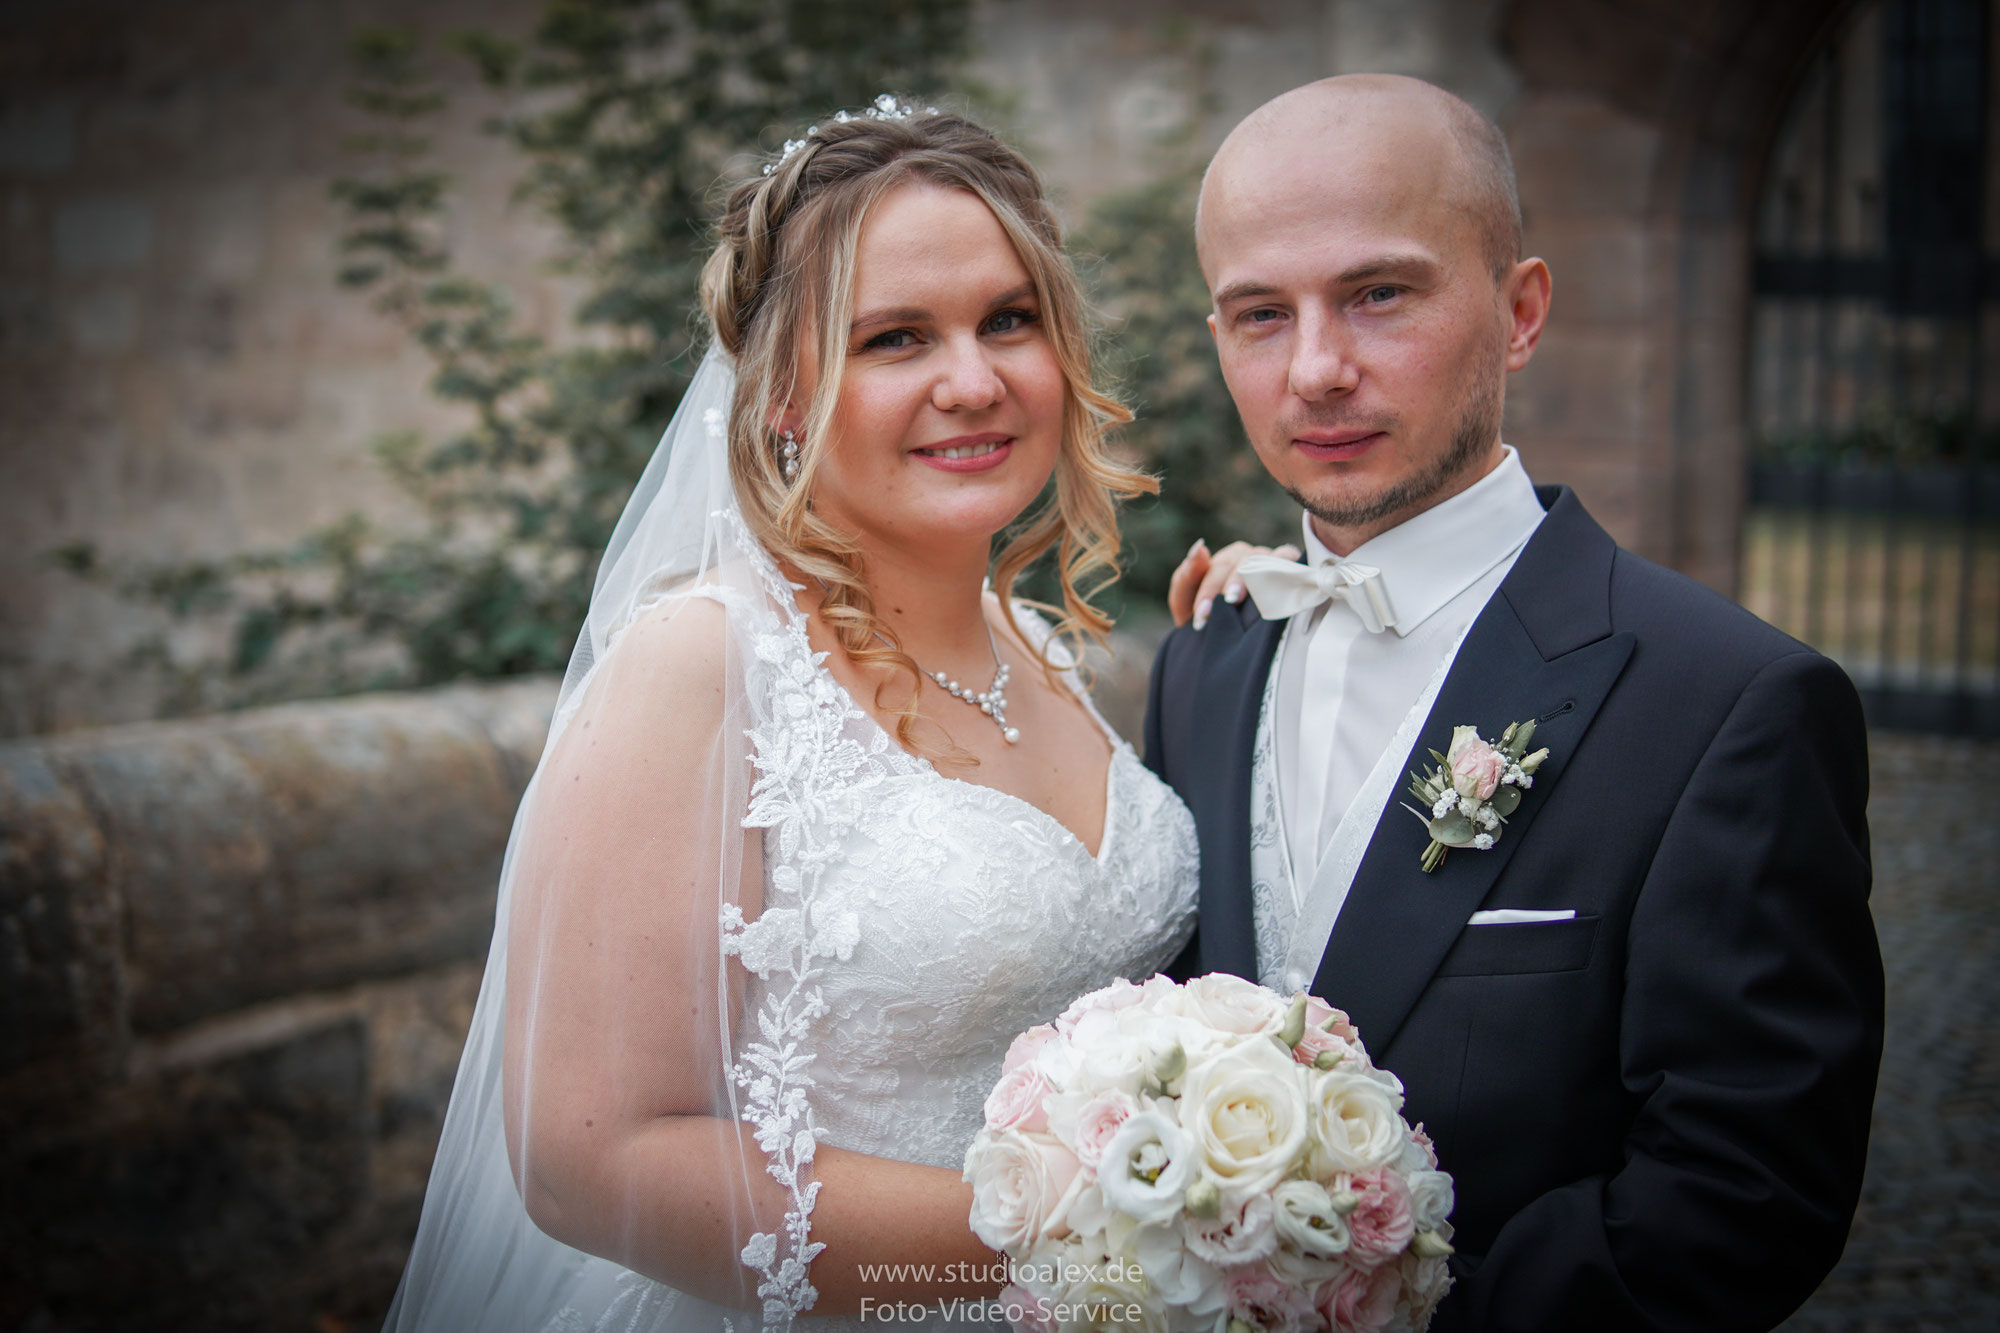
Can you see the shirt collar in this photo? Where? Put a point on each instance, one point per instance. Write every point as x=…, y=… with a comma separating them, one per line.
x=1432, y=557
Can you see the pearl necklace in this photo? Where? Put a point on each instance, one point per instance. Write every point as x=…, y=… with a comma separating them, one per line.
x=993, y=702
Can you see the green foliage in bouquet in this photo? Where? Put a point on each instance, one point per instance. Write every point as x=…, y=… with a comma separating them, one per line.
x=630, y=113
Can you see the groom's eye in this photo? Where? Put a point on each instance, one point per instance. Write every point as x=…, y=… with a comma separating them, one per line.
x=1377, y=295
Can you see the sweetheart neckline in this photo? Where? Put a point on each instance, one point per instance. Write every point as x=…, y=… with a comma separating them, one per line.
x=1118, y=745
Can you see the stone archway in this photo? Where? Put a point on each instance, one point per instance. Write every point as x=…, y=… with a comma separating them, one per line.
x=1640, y=134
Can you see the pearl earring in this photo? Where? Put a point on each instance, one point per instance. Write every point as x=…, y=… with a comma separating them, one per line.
x=788, y=453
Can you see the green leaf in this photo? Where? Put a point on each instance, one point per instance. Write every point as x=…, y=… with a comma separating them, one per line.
x=1453, y=830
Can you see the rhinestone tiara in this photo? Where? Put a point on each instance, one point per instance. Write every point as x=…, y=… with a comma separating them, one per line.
x=886, y=107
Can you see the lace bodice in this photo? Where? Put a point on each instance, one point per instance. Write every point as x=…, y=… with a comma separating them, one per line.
x=913, y=924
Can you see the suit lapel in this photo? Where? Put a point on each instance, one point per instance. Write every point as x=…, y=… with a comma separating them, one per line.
x=1542, y=648
x=1236, y=660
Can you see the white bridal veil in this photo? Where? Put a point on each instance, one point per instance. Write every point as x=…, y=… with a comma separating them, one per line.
x=627, y=851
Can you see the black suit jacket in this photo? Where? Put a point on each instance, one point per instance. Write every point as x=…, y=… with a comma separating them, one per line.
x=1657, y=1113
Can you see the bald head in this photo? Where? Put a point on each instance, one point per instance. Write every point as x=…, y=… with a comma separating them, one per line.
x=1379, y=132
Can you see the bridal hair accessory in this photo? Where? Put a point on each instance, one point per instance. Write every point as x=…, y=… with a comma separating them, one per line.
x=1285, y=587
x=1473, y=789
x=993, y=702
x=1211, y=1156
x=788, y=455
x=885, y=107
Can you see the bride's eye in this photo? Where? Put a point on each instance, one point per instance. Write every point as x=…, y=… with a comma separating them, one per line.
x=1011, y=321
x=892, y=340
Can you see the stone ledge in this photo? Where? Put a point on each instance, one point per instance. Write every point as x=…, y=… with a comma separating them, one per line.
x=158, y=875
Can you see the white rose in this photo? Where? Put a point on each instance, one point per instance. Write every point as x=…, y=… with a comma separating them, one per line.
x=1104, y=1057
x=1234, y=1005
x=1307, y=1221
x=1163, y=995
x=1020, y=1187
x=1146, y=1168
x=1431, y=1198
x=1246, y=1110
x=1355, y=1125
x=1182, y=1279
x=1120, y=994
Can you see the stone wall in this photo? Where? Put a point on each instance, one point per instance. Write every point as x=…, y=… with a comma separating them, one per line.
x=238, y=958
x=180, y=376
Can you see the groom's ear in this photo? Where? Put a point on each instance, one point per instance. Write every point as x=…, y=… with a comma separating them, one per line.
x=1527, y=292
x=1213, y=336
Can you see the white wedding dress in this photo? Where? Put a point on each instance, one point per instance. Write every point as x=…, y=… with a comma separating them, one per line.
x=940, y=917
x=910, y=926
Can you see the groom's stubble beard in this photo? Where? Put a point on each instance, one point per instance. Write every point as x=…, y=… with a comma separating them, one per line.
x=1477, y=427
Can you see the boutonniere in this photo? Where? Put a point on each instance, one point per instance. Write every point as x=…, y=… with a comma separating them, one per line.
x=1473, y=789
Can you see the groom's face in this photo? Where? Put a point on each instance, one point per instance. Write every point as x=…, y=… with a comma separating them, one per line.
x=1361, y=327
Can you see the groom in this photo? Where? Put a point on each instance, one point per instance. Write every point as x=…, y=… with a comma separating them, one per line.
x=1643, y=1026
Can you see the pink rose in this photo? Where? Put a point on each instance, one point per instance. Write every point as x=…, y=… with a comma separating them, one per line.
x=1098, y=1121
x=1026, y=1045
x=1342, y=1039
x=1027, y=1312
x=1120, y=994
x=1358, y=1301
x=1476, y=767
x=1019, y=1100
x=1264, y=1300
x=1381, y=1222
x=1423, y=1140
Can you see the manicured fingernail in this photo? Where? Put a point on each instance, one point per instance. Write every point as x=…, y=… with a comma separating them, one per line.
x=1201, y=610
x=1196, y=546
x=1233, y=593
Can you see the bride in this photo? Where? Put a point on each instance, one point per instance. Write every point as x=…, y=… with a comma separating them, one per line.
x=820, y=824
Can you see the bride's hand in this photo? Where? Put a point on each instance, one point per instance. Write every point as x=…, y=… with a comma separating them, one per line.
x=1202, y=577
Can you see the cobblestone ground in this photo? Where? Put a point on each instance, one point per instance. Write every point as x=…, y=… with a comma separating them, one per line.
x=1925, y=1250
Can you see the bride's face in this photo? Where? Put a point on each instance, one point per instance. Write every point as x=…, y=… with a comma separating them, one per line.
x=950, y=409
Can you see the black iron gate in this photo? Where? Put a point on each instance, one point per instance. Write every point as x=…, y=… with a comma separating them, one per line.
x=1873, y=524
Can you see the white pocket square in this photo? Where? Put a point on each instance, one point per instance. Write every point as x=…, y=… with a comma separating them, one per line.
x=1514, y=916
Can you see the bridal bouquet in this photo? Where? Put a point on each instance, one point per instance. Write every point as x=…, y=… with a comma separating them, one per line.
x=1207, y=1157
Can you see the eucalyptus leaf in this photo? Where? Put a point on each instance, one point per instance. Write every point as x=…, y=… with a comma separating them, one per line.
x=1505, y=800
x=1453, y=830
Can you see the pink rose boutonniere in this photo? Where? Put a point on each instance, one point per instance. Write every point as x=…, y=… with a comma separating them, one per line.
x=1473, y=789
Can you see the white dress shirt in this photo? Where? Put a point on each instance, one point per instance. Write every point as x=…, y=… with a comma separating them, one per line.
x=1343, y=691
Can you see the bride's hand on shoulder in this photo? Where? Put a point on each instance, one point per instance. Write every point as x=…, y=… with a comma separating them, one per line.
x=1204, y=575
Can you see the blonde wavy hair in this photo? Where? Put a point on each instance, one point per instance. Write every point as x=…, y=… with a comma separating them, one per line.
x=783, y=270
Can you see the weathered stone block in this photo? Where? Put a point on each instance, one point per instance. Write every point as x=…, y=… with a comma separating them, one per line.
x=156, y=875
x=60, y=970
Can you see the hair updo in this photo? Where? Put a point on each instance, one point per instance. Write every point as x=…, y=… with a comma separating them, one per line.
x=783, y=270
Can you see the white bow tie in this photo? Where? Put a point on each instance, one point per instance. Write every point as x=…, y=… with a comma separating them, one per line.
x=1284, y=588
